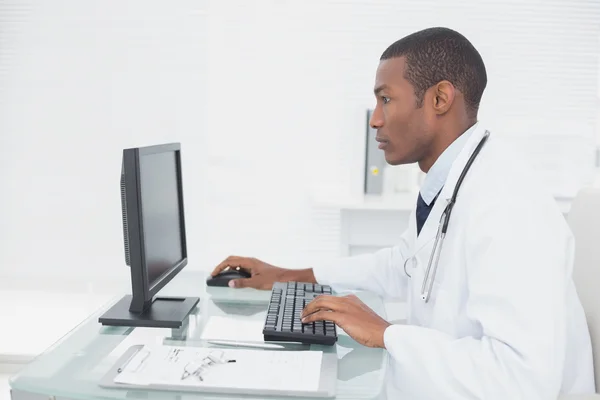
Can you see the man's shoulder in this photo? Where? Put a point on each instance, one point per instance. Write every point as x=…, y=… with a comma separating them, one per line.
x=505, y=178
x=503, y=165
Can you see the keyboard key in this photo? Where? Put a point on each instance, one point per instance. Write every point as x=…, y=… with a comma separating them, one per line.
x=309, y=327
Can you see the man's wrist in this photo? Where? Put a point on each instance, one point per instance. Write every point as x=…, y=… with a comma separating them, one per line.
x=383, y=330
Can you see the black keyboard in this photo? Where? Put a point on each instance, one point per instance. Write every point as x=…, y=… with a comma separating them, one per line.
x=283, y=324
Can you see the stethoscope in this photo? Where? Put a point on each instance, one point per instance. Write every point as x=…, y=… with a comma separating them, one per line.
x=443, y=227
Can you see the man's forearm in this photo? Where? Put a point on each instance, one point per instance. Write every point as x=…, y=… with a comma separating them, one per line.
x=299, y=275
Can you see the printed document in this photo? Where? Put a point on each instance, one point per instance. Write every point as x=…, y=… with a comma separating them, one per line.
x=175, y=366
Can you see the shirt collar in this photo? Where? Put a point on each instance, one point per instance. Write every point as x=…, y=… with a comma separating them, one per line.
x=438, y=173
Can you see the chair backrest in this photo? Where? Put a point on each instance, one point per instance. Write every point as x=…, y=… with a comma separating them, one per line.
x=584, y=221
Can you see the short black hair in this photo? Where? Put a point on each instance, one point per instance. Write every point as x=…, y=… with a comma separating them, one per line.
x=437, y=54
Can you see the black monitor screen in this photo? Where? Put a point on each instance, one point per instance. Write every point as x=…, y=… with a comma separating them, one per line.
x=161, y=214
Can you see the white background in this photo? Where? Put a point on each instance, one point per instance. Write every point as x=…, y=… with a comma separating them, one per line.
x=268, y=99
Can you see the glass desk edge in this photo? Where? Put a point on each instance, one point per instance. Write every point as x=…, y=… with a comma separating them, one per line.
x=21, y=382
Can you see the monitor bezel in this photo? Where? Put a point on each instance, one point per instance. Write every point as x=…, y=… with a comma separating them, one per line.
x=139, y=276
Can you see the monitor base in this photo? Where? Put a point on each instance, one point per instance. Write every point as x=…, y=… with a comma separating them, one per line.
x=165, y=312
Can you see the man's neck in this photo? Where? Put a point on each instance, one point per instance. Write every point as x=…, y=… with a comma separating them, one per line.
x=444, y=139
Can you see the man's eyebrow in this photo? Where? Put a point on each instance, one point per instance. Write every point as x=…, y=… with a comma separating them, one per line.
x=380, y=88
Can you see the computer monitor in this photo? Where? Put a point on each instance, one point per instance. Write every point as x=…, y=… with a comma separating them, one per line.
x=154, y=237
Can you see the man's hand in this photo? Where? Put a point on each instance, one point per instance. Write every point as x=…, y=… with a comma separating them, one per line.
x=263, y=275
x=350, y=314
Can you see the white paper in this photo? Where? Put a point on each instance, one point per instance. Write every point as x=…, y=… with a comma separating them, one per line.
x=252, y=369
x=233, y=329
x=146, y=336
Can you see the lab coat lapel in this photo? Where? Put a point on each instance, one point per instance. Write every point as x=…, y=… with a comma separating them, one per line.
x=430, y=228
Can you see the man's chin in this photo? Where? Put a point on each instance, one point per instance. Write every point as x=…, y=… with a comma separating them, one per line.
x=391, y=160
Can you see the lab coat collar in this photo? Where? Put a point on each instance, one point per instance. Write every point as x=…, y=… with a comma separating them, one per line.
x=438, y=173
x=429, y=230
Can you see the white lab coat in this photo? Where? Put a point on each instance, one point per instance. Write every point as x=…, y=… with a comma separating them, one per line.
x=504, y=320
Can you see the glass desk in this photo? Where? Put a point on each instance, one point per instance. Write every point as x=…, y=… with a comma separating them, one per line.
x=72, y=367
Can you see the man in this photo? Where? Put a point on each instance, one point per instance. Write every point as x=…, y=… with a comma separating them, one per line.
x=499, y=318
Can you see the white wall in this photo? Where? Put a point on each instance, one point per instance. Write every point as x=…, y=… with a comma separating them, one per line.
x=268, y=99
x=80, y=81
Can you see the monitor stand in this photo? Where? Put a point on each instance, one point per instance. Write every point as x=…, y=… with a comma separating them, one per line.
x=164, y=312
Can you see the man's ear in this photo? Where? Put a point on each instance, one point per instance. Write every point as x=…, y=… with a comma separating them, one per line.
x=443, y=97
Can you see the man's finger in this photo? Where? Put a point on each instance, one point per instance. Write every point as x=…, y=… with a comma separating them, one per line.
x=222, y=265
x=325, y=302
x=322, y=316
x=241, y=283
x=231, y=261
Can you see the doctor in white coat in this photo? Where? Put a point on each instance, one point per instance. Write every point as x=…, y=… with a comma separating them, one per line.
x=497, y=316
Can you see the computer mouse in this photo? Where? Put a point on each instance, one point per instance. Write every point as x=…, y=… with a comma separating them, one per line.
x=223, y=278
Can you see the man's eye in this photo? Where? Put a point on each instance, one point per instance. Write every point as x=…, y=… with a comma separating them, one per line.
x=385, y=99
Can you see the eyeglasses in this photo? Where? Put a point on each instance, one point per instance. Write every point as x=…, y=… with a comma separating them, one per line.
x=198, y=367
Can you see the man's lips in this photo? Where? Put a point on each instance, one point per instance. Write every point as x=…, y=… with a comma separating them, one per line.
x=382, y=142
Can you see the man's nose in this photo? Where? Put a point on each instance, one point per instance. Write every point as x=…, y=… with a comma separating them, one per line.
x=376, y=120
